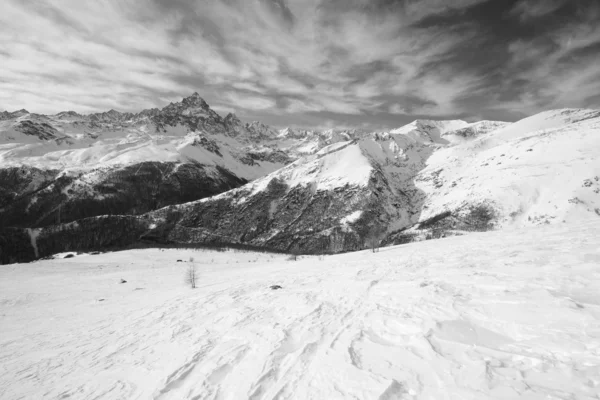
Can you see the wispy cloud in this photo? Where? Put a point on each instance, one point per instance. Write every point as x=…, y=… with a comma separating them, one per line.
x=314, y=62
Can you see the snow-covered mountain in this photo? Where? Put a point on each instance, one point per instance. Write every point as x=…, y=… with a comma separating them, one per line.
x=409, y=183
x=67, y=166
x=188, y=131
x=430, y=131
x=426, y=179
x=542, y=169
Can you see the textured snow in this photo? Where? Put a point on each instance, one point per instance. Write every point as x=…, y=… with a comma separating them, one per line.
x=499, y=315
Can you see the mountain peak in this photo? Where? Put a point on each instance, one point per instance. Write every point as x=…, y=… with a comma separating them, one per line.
x=195, y=100
x=231, y=117
x=191, y=106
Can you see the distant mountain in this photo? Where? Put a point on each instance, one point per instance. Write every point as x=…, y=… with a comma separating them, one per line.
x=63, y=167
x=424, y=180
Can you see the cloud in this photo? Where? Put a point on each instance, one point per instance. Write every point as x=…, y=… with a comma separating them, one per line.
x=373, y=62
x=249, y=102
x=529, y=9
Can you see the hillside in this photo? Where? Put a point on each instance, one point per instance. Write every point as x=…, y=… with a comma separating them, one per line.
x=68, y=166
x=425, y=180
x=542, y=169
x=496, y=315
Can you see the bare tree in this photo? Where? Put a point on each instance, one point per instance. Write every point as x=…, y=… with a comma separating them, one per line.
x=191, y=274
x=294, y=255
x=374, y=236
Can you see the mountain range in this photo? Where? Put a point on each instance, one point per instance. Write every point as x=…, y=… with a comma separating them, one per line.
x=184, y=174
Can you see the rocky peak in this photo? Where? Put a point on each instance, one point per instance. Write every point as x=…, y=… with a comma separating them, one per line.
x=234, y=125
x=232, y=120
x=334, y=136
x=108, y=116
x=68, y=114
x=14, y=114
x=43, y=131
x=149, y=112
x=259, y=129
x=192, y=106
x=293, y=133
x=195, y=101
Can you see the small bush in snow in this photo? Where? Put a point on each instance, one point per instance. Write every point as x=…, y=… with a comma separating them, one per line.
x=294, y=255
x=191, y=274
x=480, y=218
x=374, y=237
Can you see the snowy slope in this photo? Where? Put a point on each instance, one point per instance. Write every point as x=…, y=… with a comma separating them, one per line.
x=498, y=315
x=71, y=140
x=301, y=142
x=334, y=166
x=473, y=130
x=430, y=131
x=182, y=132
x=64, y=167
x=543, y=169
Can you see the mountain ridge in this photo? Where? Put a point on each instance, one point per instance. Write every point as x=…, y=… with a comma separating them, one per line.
x=329, y=191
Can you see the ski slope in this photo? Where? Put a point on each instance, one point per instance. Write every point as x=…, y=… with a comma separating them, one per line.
x=511, y=314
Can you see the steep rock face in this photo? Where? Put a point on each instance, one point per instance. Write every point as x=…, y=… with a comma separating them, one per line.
x=4, y=115
x=43, y=130
x=193, y=113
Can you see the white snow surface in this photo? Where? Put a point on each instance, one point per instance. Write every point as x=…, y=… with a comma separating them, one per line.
x=498, y=315
x=79, y=150
x=430, y=130
x=336, y=165
x=542, y=169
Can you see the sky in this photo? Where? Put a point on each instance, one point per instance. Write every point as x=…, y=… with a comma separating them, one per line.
x=372, y=64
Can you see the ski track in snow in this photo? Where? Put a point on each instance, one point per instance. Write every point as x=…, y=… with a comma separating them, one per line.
x=506, y=315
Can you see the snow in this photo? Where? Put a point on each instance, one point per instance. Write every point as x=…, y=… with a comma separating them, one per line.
x=348, y=219
x=429, y=131
x=500, y=315
x=337, y=165
x=124, y=146
x=543, y=169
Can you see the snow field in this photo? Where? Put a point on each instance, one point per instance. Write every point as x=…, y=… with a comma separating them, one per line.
x=502, y=315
